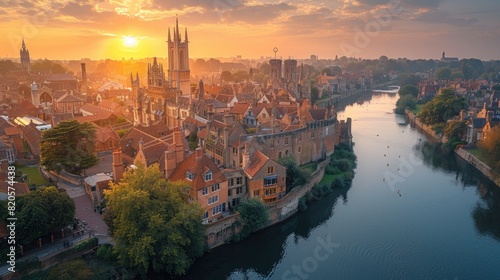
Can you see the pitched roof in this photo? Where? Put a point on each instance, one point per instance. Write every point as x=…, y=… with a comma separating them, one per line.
x=69, y=98
x=60, y=77
x=256, y=161
x=478, y=122
x=317, y=114
x=33, y=136
x=92, y=109
x=108, y=105
x=94, y=118
x=103, y=134
x=239, y=108
x=197, y=167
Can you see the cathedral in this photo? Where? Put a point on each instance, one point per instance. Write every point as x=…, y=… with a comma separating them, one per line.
x=25, y=58
x=159, y=101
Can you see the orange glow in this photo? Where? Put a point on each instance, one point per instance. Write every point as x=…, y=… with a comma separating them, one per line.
x=130, y=41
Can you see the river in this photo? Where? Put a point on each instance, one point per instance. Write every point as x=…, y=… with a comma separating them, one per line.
x=411, y=212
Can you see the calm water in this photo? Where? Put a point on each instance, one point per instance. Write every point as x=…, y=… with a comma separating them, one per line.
x=434, y=218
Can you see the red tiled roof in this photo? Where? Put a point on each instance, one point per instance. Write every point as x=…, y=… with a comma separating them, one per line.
x=9, y=131
x=239, y=108
x=257, y=160
x=198, y=167
x=94, y=118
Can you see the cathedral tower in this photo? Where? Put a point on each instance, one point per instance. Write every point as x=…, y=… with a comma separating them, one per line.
x=137, y=94
x=25, y=58
x=178, y=60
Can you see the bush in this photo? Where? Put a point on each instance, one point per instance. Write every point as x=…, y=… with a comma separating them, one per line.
x=342, y=164
x=338, y=183
x=254, y=215
x=105, y=253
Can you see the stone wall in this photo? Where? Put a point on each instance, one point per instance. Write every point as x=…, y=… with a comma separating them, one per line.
x=477, y=163
x=221, y=232
x=415, y=122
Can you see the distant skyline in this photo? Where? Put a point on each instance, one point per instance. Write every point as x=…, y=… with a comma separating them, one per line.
x=117, y=29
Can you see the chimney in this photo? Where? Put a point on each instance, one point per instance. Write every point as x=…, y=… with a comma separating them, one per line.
x=170, y=163
x=178, y=146
x=117, y=165
x=246, y=156
x=84, y=74
x=198, y=153
x=229, y=119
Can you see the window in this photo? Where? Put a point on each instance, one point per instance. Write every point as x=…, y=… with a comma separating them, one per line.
x=229, y=192
x=272, y=144
x=286, y=140
x=239, y=190
x=239, y=180
x=213, y=199
x=219, y=208
x=270, y=191
x=205, y=215
x=270, y=169
x=300, y=149
x=312, y=134
x=204, y=191
x=230, y=182
x=269, y=181
x=215, y=187
x=208, y=175
x=300, y=136
x=256, y=193
x=189, y=176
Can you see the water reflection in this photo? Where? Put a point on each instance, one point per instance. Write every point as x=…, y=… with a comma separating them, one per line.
x=486, y=213
x=262, y=251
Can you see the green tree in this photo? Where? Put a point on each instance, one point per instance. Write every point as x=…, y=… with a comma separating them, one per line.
x=154, y=226
x=295, y=176
x=226, y=76
x=443, y=73
x=70, y=145
x=7, y=65
x=442, y=107
x=41, y=212
x=490, y=146
x=240, y=76
x=455, y=129
x=408, y=89
x=405, y=101
x=46, y=66
x=254, y=215
x=314, y=94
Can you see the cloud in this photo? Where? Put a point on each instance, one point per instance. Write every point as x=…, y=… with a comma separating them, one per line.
x=258, y=14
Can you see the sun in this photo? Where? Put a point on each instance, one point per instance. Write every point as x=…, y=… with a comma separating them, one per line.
x=130, y=41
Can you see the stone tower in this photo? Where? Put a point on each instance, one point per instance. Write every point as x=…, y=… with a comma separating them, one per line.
x=138, y=99
x=275, y=69
x=156, y=77
x=25, y=58
x=35, y=95
x=178, y=60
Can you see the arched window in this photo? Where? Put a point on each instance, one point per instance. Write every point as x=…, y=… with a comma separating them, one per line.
x=280, y=155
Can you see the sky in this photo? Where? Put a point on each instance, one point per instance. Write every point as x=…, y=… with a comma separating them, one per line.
x=124, y=29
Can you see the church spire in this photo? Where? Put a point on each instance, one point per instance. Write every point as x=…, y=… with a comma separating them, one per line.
x=23, y=45
x=168, y=35
x=186, y=35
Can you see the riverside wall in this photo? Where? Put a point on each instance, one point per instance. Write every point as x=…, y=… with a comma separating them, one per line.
x=223, y=230
x=415, y=122
x=477, y=163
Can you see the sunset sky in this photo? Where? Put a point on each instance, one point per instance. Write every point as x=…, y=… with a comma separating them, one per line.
x=118, y=29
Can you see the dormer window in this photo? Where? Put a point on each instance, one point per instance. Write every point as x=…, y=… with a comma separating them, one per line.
x=189, y=176
x=208, y=175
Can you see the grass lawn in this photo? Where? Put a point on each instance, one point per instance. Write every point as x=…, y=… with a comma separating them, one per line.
x=34, y=175
x=479, y=154
x=328, y=178
x=417, y=110
x=309, y=167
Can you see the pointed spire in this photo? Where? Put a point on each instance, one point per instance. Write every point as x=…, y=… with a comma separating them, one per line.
x=23, y=45
x=178, y=35
x=186, y=35
x=131, y=79
x=168, y=35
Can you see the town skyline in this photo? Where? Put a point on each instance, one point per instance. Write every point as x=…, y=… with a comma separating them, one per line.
x=138, y=29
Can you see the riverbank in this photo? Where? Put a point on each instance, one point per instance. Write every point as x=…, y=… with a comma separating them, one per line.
x=461, y=152
x=479, y=165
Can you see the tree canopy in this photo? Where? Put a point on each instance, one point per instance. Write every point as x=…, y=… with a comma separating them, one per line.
x=154, y=227
x=47, y=66
x=254, y=215
x=490, y=146
x=408, y=89
x=41, y=212
x=405, y=101
x=443, y=73
x=70, y=145
x=295, y=176
x=442, y=107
